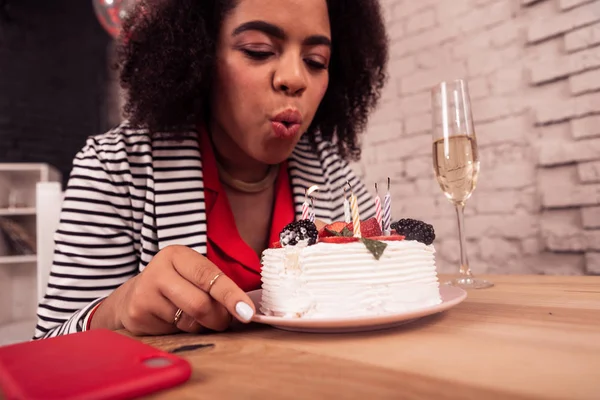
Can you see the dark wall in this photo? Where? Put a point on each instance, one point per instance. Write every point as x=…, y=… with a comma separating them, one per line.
x=53, y=80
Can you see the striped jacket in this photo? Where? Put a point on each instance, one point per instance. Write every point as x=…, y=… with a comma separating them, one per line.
x=131, y=194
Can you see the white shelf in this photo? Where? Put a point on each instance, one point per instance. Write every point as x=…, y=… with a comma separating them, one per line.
x=18, y=259
x=8, y=212
x=35, y=192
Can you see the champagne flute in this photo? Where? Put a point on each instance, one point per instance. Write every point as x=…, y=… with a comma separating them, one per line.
x=456, y=161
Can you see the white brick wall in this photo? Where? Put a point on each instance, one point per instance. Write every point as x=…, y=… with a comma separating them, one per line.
x=591, y=217
x=533, y=68
x=586, y=127
x=581, y=38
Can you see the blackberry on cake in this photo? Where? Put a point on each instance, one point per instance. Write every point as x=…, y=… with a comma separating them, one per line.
x=303, y=231
x=413, y=229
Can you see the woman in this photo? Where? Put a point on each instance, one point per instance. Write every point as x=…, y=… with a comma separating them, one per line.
x=234, y=109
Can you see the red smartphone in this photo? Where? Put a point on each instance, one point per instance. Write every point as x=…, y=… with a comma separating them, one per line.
x=97, y=364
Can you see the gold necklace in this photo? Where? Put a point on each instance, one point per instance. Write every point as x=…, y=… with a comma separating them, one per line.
x=249, y=187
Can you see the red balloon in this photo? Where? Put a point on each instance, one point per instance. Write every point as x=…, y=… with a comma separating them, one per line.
x=111, y=14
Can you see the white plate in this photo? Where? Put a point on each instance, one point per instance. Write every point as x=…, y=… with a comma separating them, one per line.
x=451, y=296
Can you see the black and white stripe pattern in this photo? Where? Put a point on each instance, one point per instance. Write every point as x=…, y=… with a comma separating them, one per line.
x=130, y=195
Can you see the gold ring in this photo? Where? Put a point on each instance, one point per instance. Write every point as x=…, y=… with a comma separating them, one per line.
x=178, y=315
x=212, y=282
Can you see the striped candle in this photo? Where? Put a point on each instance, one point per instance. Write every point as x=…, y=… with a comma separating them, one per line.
x=355, y=215
x=306, y=212
x=305, y=207
x=347, y=214
x=387, y=211
x=378, y=215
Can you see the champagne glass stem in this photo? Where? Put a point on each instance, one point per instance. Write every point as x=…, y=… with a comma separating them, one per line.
x=465, y=271
x=466, y=279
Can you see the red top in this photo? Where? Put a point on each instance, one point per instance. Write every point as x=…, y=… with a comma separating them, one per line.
x=225, y=247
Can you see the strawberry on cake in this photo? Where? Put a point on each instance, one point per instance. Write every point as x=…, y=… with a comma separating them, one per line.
x=332, y=273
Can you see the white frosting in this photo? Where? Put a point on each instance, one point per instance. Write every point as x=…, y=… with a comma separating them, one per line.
x=344, y=280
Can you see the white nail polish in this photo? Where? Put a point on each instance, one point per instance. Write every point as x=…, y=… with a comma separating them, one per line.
x=244, y=311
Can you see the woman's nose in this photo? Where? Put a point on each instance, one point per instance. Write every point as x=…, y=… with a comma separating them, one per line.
x=290, y=76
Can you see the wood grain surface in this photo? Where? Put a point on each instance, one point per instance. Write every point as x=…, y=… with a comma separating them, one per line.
x=529, y=337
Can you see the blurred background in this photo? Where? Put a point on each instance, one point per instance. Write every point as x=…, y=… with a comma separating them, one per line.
x=533, y=68
x=534, y=73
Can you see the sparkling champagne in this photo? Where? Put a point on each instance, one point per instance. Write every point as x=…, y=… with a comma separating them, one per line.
x=456, y=165
x=456, y=161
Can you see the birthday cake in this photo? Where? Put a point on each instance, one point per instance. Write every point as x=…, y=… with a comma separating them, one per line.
x=340, y=272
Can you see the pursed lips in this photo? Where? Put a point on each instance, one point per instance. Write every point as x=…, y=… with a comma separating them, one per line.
x=287, y=123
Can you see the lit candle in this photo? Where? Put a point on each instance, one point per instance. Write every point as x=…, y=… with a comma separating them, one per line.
x=387, y=211
x=355, y=215
x=347, y=216
x=378, y=207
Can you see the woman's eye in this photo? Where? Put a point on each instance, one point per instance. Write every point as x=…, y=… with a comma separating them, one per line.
x=258, y=55
x=263, y=55
x=315, y=64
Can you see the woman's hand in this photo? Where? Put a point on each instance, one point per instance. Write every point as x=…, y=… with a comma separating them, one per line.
x=176, y=278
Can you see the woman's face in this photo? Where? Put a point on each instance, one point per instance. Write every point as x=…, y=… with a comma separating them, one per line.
x=271, y=75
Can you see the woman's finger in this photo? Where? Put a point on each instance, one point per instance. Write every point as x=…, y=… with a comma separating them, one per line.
x=150, y=325
x=139, y=314
x=166, y=311
x=189, y=325
x=186, y=323
x=195, y=303
x=202, y=273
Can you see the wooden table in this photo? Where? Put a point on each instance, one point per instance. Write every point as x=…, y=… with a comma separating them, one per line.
x=528, y=337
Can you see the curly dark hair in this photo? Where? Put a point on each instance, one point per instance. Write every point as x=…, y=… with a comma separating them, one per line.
x=167, y=59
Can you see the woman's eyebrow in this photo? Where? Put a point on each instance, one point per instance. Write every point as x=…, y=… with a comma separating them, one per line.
x=316, y=40
x=277, y=32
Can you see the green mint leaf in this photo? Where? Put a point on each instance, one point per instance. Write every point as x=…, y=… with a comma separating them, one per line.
x=343, y=233
x=333, y=233
x=346, y=232
x=374, y=246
